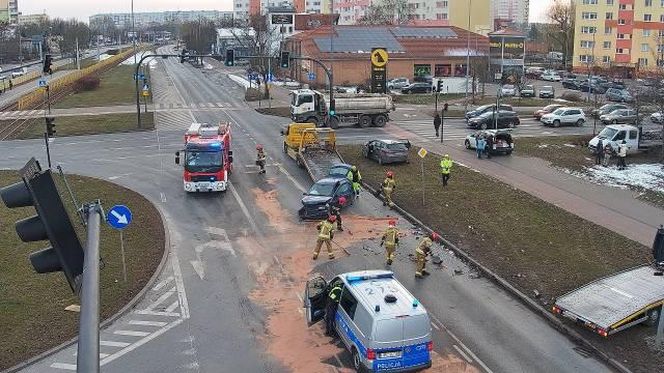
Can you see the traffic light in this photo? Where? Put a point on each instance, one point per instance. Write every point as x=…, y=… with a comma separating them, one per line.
x=332, y=107
x=230, y=57
x=51, y=223
x=439, y=88
x=50, y=126
x=284, y=61
x=48, y=60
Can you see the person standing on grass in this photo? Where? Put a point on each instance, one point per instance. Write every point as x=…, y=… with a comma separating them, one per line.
x=622, y=154
x=436, y=123
x=445, y=168
x=599, y=152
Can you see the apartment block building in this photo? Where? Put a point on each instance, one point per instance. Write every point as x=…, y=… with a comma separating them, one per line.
x=515, y=11
x=9, y=11
x=628, y=34
x=454, y=13
x=143, y=19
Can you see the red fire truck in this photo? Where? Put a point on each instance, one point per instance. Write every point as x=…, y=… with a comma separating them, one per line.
x=208, y=160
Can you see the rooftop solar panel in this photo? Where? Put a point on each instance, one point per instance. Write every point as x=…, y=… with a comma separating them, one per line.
x=423, y=32
x=359, y=39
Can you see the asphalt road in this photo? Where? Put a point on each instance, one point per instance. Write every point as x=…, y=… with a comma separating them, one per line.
x=228, y=299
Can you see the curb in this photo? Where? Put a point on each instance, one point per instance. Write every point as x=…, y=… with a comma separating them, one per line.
x=555, y=322
x=137, y=298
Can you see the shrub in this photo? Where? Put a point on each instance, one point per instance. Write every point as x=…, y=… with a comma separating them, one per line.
x=253, y=94
x=572, y=96
x=87, y=83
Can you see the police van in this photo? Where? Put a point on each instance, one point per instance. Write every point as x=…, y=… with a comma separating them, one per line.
x=380, y=322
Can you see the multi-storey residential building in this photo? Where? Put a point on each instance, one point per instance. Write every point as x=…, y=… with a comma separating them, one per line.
x=24, y=19
x=456, y=13
x=9, y=11
x=515, y=11
x=627, y=34
x=146, y=18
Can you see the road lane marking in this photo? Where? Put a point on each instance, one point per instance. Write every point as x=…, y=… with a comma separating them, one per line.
x=244, y=208
x=179, y=284
x=162, y=283
x=162, y=298
x=131, y=333
x=141, y=342
x=435, y=326
x=172, y=307
x=147, y=323
x=158, y=313
x=113, y=344
x=63, y=366
x=463, y=354
x=480, y=362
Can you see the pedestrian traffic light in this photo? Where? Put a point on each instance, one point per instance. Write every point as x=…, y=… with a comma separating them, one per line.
x=51, y=223
x=332, y=107
x=284, y=61
x=445, y=107
x=48, y=60
x=439, y=87
x=230, y=57
x=50, y=126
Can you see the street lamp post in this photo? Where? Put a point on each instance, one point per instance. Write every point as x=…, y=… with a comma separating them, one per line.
x=133, y=29
x=470, y=11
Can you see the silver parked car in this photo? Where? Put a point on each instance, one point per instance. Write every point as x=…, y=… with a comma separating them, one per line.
x=619, y=116
x=387, y=151
x=398, y=83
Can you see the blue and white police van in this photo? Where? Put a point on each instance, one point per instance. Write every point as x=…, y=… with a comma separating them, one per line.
x=380, y=322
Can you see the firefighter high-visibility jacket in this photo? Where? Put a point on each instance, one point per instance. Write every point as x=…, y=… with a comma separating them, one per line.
x=445, y=166
x=389, y=184
x=325, y=230
x=424, y=247
x=391, y=237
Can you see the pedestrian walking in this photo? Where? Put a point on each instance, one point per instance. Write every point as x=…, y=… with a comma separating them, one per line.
x=422, y=251
x=390, y=240
x=599, y=152
x=606, y=157
x=334, y=209
x=489, y=146
x=260, y=158
x=436, y=123
x=445, y=169
x=11, y=85
x=388, y=188
x=355, y=177
x=480, y=144
x=325, y=236
x=622, y=155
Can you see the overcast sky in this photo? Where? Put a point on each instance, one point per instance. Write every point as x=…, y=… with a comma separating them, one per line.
x=82, y=9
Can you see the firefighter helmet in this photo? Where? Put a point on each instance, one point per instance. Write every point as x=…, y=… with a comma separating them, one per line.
x=332, y=218
x=434, y=236
x=342, y=200
x=353, y=168
x=390, y=174
x=392, y=223
x=259, y=147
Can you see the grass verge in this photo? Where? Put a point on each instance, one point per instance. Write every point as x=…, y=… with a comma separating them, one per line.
x=275, y=111
x=86, y=62
x=32, y=305
x=532, y=244
x=88, y=125
x=425, y=99
x=117, y=87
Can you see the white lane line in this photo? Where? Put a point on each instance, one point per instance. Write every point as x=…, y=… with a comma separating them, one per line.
x=148, y=323
x=244, y=208
x=463, y=354
x=172, y=307
x=131, y=333
x=465, y=348
x=162, y=298
x=291, y=178
x=163, y=197
x=141, y=342
x=435, y=326
x=179, y=284
x=157, y=313
x=162, y=283
x=63, y=366
x=113, y=344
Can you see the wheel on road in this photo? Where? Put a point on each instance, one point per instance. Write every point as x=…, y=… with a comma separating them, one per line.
x=333, y=122
x=357, y=362
x=653, y=316
x=285, y=148
x=467, y=143
x=614, y=122
x=380, y=120
x=380, y=160
x=483, y=126
x=313, y=120
x=298, y=162
x=556, y=123
x=511, y=124
x=365, y=121
x=579, y=122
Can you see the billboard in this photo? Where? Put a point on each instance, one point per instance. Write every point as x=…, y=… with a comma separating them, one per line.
x=507, y=47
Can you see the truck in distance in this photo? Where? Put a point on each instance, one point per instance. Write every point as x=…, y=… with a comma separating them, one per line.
x=208, y=160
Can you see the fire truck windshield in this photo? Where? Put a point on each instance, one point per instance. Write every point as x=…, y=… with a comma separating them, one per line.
x=203, y=161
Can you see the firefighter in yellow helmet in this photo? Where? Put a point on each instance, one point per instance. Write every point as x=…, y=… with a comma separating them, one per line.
x=423, y=250
x=325, y=235
x=388, y=188
x=390, y=240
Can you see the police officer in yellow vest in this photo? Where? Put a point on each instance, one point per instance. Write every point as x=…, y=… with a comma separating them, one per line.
x=445, y=168
x=355, y=177
x=390, y=240
x=423, y=250
x=331, y=307
x=325, y=235
x=388, y=187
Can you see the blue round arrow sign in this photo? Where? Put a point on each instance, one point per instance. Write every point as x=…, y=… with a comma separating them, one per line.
x=119, y=217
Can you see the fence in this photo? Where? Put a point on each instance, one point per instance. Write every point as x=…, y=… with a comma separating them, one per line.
x=35, y=98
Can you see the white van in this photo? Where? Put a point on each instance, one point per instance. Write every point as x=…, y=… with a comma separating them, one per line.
x=614, y=134
x=380, y=322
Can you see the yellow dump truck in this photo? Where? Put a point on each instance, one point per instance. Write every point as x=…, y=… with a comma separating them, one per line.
x=311, y=147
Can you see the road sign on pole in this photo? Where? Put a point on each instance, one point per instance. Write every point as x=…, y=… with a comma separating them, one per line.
x=119, y=217
x=312, y=76
x=42, y=83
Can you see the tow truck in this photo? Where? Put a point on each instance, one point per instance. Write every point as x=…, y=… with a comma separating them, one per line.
x=208, y=160
x=312, y=148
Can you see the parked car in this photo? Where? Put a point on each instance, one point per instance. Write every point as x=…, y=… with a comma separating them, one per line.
x=417, y=88
x=18, y=73
x=386, y=151
x=324, y=191
x=503, y=142
x=527, y=91
x=398, y=83
x=620, y=116
x=657, y=118
x=339, y=170
x=485, y=109
x=547, y=91
x=569, y=116
x=546, y=110
x=507, y=90
x=571, y=84
x=506, y=118
x=534, y=72
x=618, y=95
x=592, y=87
x=606, y=109
x=551, y=77
x=423, y=79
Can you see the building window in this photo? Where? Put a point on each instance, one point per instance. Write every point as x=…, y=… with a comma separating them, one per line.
x=588, y=30
x=589, y=15
x=609, y=15
x=607, y=45
x=585, y=58
x=644, y=47
x=422, y=69
x=643, y=62
x=443, y=70
x=661, y=18
x=589, y=2
x=460, y=70
x=621, y=21
x=646, y=33
x=587, y=44
x=608, y=30
x=606, y=59
x=647, y=17
x=441, y=16
x=610, y=2
x=648, y=2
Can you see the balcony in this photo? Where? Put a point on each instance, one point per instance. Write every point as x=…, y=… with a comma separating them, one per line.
x=622, y=58
x=624, y=43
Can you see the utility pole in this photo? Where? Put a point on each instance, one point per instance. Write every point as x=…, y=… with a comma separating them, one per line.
x=470, y=11
x=78, y=56
x=133, y=29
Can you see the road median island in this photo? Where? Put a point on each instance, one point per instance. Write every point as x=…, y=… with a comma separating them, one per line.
x=34, y=304
x=540, y=249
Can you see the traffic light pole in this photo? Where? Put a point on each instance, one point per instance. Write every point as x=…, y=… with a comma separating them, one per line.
x=329, y=78
x=87, y=359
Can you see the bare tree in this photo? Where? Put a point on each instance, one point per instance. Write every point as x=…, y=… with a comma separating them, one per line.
x=199, y=35
x=260, y=39
x=387, y=12
x=561, y=15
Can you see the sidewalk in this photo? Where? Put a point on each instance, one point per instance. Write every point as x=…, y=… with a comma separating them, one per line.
x=613, y=208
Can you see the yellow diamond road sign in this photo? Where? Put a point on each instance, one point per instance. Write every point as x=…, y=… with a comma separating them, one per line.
x=422, y=153
x=379, y=57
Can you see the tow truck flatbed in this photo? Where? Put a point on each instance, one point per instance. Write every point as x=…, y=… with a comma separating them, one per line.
x=312, y=148
x=615, y=302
